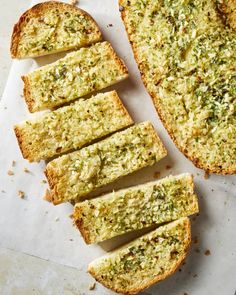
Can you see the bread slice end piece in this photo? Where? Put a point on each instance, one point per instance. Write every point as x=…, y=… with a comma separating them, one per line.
x=39, y=11
x=139, y=285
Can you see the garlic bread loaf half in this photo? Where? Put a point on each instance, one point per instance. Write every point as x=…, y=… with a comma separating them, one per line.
x=186, y=53
x=71, y=127
x=51, y=27
x=135, y=208
x=77, y=174
x=77, y=74
x=146, y=260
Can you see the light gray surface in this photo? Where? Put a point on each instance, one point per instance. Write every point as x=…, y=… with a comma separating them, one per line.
x=10, y=10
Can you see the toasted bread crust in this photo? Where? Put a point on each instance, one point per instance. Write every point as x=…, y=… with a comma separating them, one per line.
x=36, y=11
x=19, y=137
x=156, y=279
x=51, y=194
x=27, y=95
x=156, y=101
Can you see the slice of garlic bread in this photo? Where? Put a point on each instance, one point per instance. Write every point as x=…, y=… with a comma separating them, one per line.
x=135, y=208
x=146, y=260
x=51, y=27
x=72, y=127
x=186, y=53
x=74, y=175
x=77, y=74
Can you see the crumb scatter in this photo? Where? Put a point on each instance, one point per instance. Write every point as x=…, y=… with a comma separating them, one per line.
x=10, y=172
x=92, y=287
x=21, y=194
x=207, y=252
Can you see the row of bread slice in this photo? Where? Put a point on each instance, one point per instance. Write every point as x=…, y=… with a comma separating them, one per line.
x=73, y=176
x=153, y=256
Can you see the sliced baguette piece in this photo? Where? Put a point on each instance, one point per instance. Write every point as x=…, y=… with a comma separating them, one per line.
x=135, y=208
x=72, y=127
x=51, y=27
x=146, y=260
x=74, y=175
x=77, y=74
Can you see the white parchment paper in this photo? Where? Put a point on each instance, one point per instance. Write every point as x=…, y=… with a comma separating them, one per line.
x=34, y=226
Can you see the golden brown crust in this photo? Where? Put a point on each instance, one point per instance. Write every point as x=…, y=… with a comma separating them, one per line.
x=78, y=222
x=19, y=136
x=36, y=11
x=27, y=94
x=51, y=194
x=156, y=279
x=155, y=99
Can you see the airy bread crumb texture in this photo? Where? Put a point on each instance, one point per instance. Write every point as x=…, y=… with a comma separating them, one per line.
x=146, y=260
x=52, y=27
x=74, y=175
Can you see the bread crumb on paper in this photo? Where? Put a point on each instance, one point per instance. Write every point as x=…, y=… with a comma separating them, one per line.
x=44, y=181
x=26, y=170
x=74, y=2
x=206, y=175
x=57, y=219
x=13, y=163
x=21, y=194
x=207, y=252
x=10, y=172
x=92, y=287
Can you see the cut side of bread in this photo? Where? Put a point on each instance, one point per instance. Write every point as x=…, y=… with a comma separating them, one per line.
x=71, y=127
x=146, y=260
x=51, y=27
x=136, y=208
x=74, y=175
x=188, y=67
x=77, y=74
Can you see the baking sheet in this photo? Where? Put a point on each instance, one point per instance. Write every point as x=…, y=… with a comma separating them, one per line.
x=34, y=226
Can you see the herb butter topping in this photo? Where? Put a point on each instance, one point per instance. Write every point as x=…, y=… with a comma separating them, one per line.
x=52, y=27
x=187, y=55
x=77, y=174
x=135, y=208
x=144, y=261
x=72, y=127
x=76, y=75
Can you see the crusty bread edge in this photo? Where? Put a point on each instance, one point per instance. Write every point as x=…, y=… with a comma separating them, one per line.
x=79, y=224
x=19, y=136
x=34, y=11
x=27, y=95
x=156, y=279
x=51, y=195
x=168, y=128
